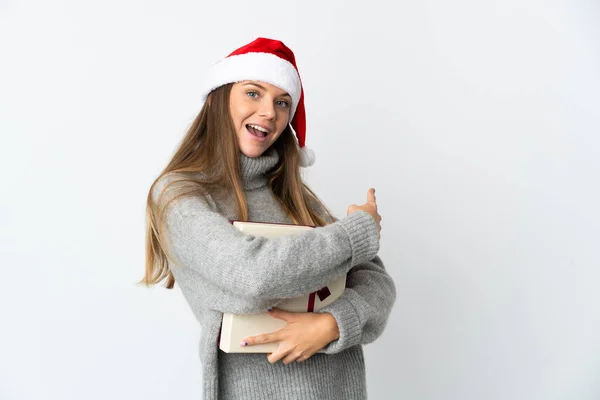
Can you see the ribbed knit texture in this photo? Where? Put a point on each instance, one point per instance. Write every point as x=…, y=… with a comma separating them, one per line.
x=219, y=269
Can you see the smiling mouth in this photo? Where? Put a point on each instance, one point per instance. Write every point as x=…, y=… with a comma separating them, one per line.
x=257, y=131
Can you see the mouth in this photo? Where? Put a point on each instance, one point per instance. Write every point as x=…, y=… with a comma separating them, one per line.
x=258, y=131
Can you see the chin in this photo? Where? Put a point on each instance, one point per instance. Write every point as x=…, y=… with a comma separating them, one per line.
x=253, y=153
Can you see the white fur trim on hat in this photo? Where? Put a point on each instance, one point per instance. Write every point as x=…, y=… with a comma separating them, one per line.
x=307, y=157
x=265, y=67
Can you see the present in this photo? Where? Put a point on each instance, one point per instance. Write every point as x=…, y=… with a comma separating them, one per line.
x=236, y=327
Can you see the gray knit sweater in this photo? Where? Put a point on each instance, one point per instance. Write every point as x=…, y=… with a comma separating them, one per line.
x=221, y=270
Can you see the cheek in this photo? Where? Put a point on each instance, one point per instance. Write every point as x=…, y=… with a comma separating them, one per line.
x=238, y=110
x=238, y=117
x=283, y=120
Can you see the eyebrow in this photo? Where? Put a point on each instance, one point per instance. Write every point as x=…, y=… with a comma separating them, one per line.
x=264, y=88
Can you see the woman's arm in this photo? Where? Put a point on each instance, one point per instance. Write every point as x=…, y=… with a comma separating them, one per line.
x=363, y=309
x=358, y=316
x=240, y=273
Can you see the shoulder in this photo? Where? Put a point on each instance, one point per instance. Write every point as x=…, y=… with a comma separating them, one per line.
x=174, y=185
x=166, y=185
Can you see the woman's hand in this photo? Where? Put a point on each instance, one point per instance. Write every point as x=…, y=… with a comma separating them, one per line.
x=371, y=207
x=304, y=335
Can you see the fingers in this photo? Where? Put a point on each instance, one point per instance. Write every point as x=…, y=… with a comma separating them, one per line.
x=260, y=339
x=287, y=355
x=277, y=355
x=294, y=356
x=371, y=196
x=351, y=209
x=281, y=314
x=271, y=337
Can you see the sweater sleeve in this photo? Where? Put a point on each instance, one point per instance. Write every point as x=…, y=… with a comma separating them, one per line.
x=363, y=309
x=242, y=273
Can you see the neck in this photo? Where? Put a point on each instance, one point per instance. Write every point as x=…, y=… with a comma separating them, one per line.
x=253, y=169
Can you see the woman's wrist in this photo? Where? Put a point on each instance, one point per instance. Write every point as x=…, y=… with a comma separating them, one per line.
x=332, y=326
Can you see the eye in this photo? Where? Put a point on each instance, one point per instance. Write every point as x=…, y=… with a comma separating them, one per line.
x=252, y=94
x=283, y=103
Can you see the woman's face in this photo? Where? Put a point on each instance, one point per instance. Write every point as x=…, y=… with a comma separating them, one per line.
x=260, y=112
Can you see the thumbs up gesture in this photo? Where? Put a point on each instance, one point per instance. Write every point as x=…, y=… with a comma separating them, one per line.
x=371, y=207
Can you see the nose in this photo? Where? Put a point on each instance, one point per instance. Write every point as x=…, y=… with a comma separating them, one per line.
x=267, y=109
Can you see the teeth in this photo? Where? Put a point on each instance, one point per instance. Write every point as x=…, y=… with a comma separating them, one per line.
x=258, y=128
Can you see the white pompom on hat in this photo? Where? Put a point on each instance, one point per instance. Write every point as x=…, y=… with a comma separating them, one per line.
x=270, y=61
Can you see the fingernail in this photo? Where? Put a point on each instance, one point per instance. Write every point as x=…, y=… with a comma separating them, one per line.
x=243, y=344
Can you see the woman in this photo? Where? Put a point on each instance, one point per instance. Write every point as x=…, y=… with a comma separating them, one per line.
x=240, y=160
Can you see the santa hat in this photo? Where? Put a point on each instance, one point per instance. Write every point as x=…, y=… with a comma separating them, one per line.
x=269, y=61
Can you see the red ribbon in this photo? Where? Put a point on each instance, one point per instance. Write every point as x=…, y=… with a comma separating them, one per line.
x=322, y=293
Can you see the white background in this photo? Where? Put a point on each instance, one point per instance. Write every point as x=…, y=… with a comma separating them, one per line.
x=477, y=122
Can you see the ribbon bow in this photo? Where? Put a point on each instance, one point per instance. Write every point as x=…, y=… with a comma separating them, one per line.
x=322, y=293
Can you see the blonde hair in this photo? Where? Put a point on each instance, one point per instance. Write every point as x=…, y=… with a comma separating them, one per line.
x=210, y=148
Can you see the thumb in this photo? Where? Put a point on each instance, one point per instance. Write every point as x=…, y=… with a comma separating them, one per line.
x=371, y=196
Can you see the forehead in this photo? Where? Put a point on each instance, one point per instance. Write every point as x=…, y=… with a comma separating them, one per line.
x=265, y=86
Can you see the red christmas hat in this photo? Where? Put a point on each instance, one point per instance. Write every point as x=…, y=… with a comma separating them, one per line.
x=269, y=61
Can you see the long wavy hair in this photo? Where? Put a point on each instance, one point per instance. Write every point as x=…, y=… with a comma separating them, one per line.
x=210, y=149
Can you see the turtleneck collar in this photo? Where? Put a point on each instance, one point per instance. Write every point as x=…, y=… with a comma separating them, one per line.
x=253, y=170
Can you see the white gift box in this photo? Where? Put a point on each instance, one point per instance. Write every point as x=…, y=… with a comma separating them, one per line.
x=236, y=327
